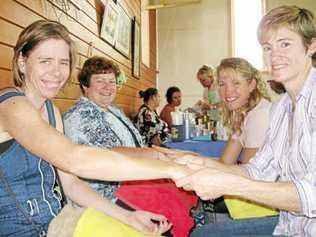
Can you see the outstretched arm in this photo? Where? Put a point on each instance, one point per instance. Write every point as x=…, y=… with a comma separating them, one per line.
x=212, y=183
x=25, y=124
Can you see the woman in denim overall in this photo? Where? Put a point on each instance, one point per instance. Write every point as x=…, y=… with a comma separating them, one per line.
x=30, y=183
x=30, y=145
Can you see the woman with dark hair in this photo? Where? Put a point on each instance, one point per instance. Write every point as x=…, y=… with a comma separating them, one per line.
x=173, y=97
x=151, y=127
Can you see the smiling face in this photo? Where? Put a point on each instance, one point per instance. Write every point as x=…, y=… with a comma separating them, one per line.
x=46, y=68
x=206, y=81
x=234, y=89
x=286, y=57
x=102, y=89
x=176, y=98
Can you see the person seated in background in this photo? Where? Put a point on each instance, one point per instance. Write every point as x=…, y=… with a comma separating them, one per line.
x=153, y=129
x=173, y=96
x=210, y=102
x=94, y=120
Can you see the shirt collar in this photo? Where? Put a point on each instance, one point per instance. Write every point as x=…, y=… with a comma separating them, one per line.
x=305, y=91
x=307, y=88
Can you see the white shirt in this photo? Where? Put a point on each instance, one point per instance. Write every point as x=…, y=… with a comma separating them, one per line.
x=284, y=159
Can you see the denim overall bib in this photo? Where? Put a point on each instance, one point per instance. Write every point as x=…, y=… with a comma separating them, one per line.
x=32, y=181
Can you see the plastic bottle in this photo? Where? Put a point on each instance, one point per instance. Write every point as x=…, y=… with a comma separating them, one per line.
x=186, y=126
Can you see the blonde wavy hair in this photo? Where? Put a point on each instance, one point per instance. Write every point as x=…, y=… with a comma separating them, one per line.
x=234, y=119
x=206, y=71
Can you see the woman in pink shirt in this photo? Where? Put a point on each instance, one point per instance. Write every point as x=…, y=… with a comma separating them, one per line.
x=246, y=108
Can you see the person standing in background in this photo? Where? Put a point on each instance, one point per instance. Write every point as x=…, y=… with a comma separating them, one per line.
x=210, y=100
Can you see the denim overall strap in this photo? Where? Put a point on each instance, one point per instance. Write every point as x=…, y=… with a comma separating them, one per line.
x=52, y=122
x=50, y=111
x=9, y=95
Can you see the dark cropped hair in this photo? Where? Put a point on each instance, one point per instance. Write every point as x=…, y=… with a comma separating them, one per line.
x=96, y=65
x=170, y=92
x=147, y=94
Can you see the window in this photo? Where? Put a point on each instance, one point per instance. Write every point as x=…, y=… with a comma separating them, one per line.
x=145, y=46
x=246, y=15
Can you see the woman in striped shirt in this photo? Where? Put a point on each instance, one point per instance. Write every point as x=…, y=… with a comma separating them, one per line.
x=282, y=174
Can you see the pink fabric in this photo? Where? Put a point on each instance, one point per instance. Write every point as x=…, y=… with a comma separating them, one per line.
x=161, y=197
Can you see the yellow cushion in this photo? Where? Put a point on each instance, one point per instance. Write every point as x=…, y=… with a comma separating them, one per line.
x=242, y=209
x=96, y=224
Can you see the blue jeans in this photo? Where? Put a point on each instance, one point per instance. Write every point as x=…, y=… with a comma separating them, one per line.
x=249, y=227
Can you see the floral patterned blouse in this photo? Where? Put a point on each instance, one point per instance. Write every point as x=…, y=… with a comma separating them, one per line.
x=87, y=123
x=149, y=125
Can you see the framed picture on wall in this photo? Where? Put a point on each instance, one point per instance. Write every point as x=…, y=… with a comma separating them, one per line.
x=110, y=22
x=123, y=37
x=136, y=51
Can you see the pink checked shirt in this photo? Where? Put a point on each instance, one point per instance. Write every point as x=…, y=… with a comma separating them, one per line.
x=292, y=157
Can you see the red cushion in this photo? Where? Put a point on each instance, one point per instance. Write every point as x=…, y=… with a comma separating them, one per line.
x=161, y=197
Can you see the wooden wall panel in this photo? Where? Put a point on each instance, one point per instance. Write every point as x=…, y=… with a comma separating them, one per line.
x=84, y=23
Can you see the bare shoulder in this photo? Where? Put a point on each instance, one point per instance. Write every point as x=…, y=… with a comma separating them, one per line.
x=4, y=136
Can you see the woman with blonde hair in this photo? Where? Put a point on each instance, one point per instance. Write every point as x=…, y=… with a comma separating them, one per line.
x=246, y=108
x=210, y=101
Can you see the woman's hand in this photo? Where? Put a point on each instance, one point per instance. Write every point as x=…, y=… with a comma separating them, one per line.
x=171, y=154
x=148, y=222
x=210, y=183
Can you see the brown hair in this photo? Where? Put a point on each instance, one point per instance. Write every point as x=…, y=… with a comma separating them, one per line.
x=297, y=19
x=96, y=65
x=233, y=120
x=147, y=94
x=35, y=34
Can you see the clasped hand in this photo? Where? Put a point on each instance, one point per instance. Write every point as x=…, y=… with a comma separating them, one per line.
x=208, y=183
x=208, y=177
